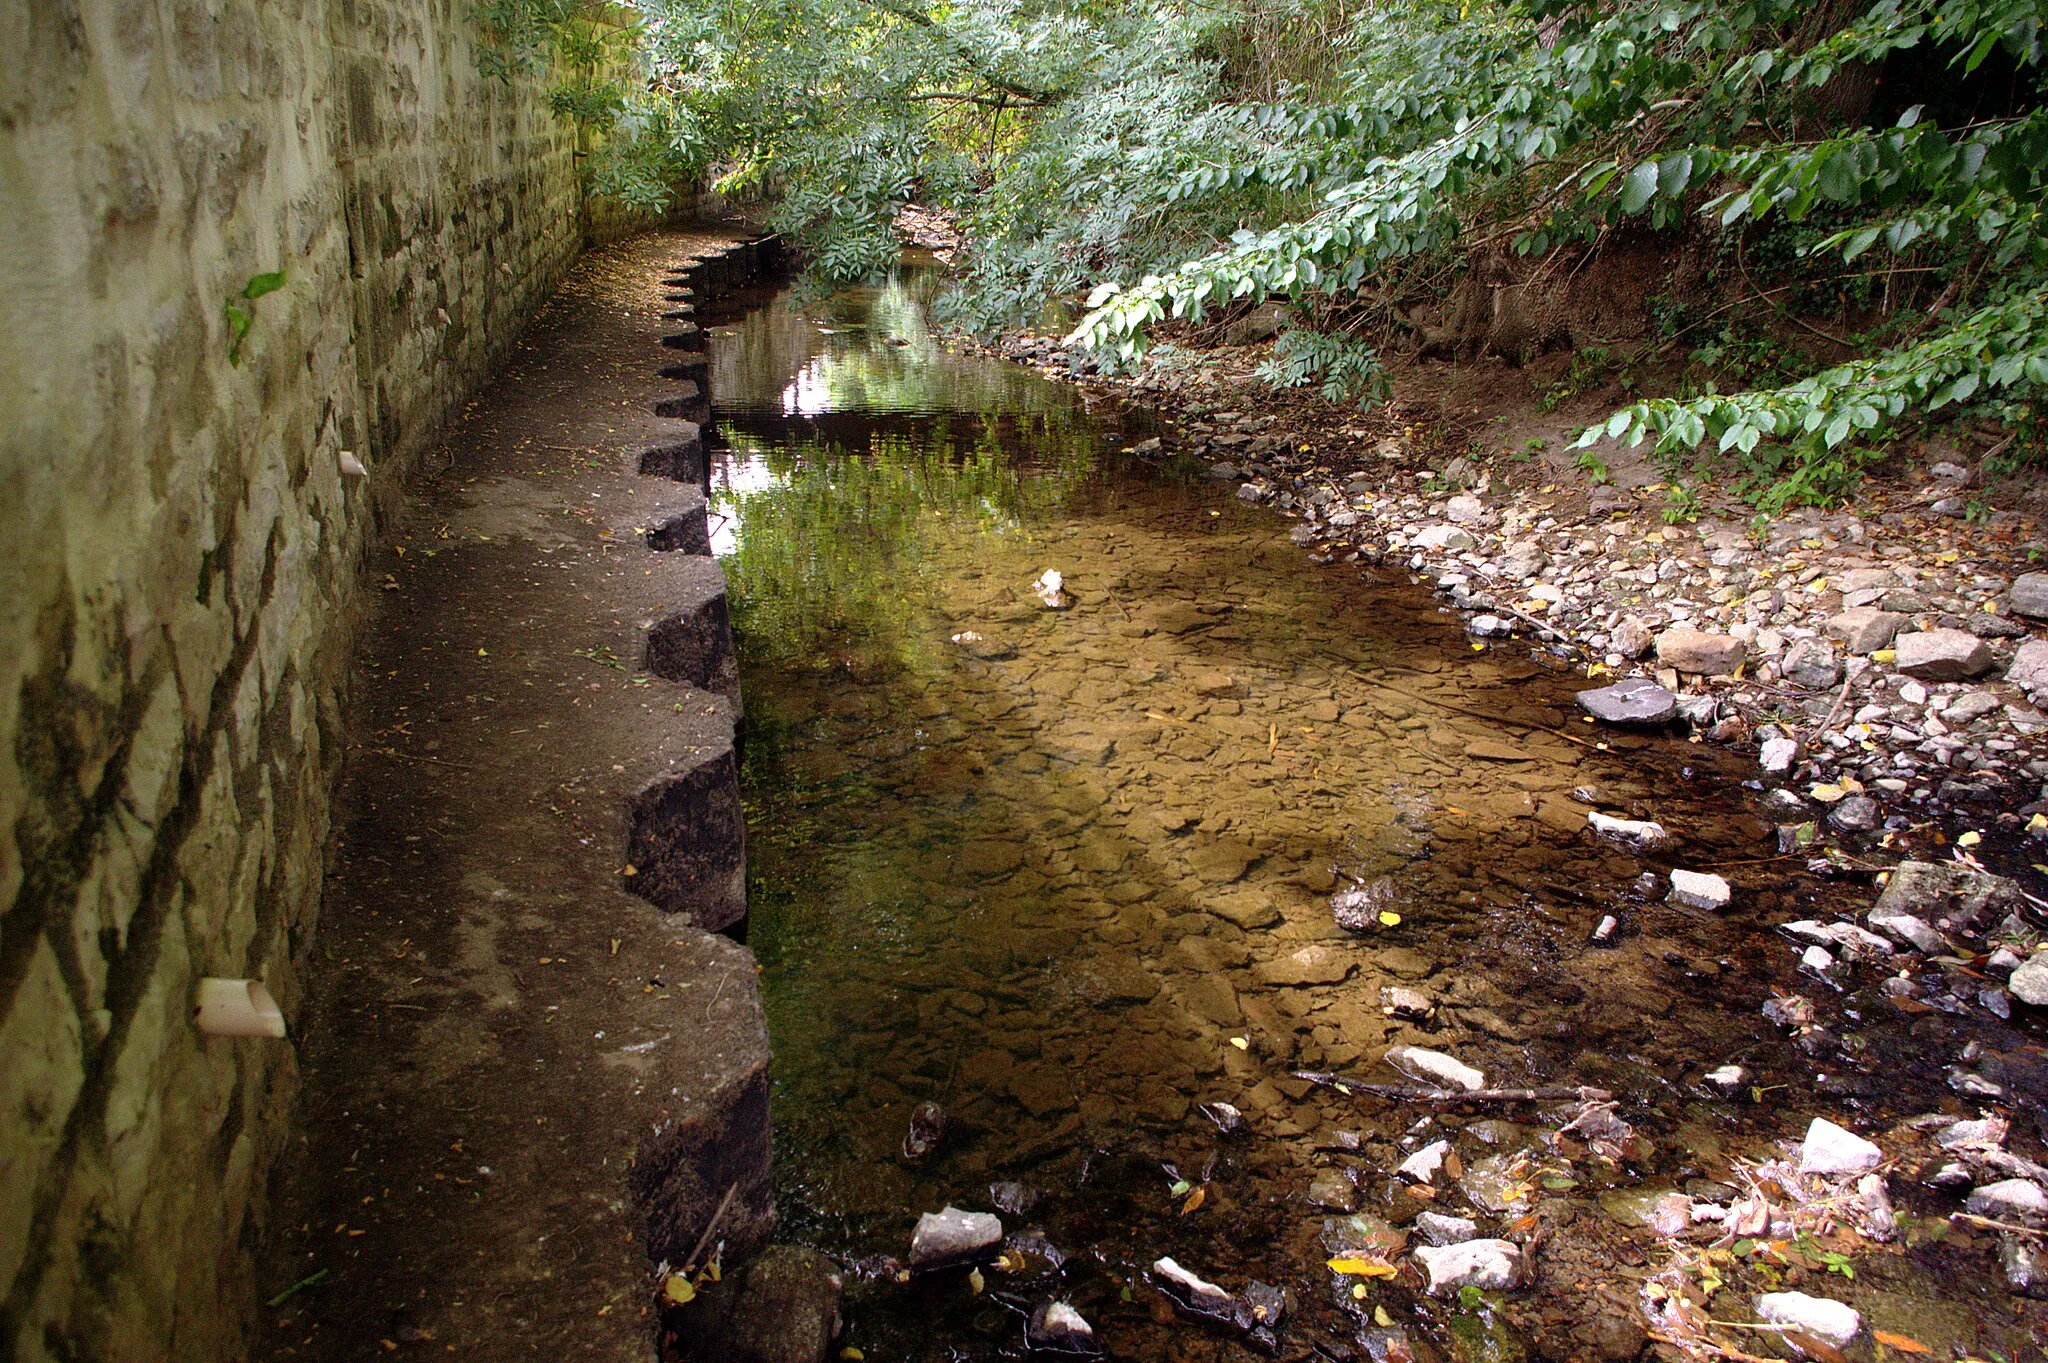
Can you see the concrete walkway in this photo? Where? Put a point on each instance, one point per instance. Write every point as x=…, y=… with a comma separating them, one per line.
x=516, y=1073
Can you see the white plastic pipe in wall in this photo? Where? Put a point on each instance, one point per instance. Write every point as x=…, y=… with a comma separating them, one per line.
x=237, y=1008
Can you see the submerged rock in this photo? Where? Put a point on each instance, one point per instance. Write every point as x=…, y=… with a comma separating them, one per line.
x=952, y=1236
x=1646, y=834
x=1435, y=1066
x=1490, y=1265
x=1825, y=1319
x=1440, y=1228
x=1359, y=909
x=928, y=1123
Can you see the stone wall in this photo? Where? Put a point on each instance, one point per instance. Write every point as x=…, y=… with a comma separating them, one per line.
x=180, y=577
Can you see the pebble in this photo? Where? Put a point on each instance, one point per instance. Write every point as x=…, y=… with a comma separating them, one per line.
x=1824, y=1318
x=1831, y=1151
x=1491, y=1265
x=1056, y=1327
x=1776, y=755
x=1435, y=1066
x=1726, y=1079
x=1699, y=890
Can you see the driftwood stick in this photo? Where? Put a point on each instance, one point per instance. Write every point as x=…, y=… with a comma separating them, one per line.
x=1986, y=1223
x=690, y=1265
x=1402, y=1094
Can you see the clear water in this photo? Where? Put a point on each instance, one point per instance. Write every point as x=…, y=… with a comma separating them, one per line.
x=1070, y=878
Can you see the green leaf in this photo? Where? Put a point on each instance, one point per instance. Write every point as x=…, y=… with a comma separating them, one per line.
x=261, y=284
x=1639, y=187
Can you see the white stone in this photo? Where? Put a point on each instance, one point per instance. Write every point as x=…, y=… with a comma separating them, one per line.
x=1699, y=890
x=2029, y=670
x=1776, y=755
x=1832, y=1151
x=1425, y=1164
x=1435, y=1066
x=1825, y=1319
x=1492, y=1265
x=1443, y=538
x=1645, y=833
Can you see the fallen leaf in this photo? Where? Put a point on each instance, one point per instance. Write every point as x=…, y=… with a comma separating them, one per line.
x=975, y=1283
x=1389, y=919
x=1241, y=1043
x=1194, y=1201
x=679, y=1290
x=1381, y=1318
x=1899, y=1342
x=1970, y=839
x=1353, y=1266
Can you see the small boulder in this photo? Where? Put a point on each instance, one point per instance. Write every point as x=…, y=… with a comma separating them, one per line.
x=2029, y=984
x=1425, y=1164
x=1865, y=629
x=1831, y=1321
x=1699, y=890
x=1490, y=1265
x=1444, y=539
x=2029, y=596
x=1440, y=1228
x=953, y=1237
x=1631, y=638
x=1330, y=1188
x=1914, y=932
x=1810, y=663
x=2029, y=670
x=1776, y=755
x=1636, y=700
x=1696, y=651
x=1465, y=509
x=1832, y=1151
x=1942, y=655
x=2014, y=1199
x=1951, y=896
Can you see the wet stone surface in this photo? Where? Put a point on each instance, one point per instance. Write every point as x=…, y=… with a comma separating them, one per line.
x=1070, y=874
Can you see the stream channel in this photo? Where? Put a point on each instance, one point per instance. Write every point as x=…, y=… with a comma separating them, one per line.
x=1067, y=873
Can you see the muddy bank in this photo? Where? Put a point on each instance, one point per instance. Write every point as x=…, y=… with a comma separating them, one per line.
x=536, y=1072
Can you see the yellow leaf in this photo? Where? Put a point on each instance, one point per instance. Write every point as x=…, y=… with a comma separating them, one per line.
x=1478, y=647
x=1195, y=1200
x=975, y=1281
x=1353, y=1266
x=1884, y=655
x=1970, y=839
x=2037, y=823
x=1950, y=557
x=1358, y=1291
x=1827, y=794
x=1389, y=919
x=852, y=1355
x=1381, y=1318
x=1899, y=1342
x=678, y=1289
x=1242, y=1043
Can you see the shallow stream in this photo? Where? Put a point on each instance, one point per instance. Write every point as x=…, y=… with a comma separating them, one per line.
x=1067, y=873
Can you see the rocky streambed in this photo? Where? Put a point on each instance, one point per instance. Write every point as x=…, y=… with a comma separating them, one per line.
x=1180, y=941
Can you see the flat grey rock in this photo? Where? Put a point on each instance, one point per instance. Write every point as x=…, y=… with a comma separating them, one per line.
x=1942, y=655
x=2029, y=596
x=1637, y=700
